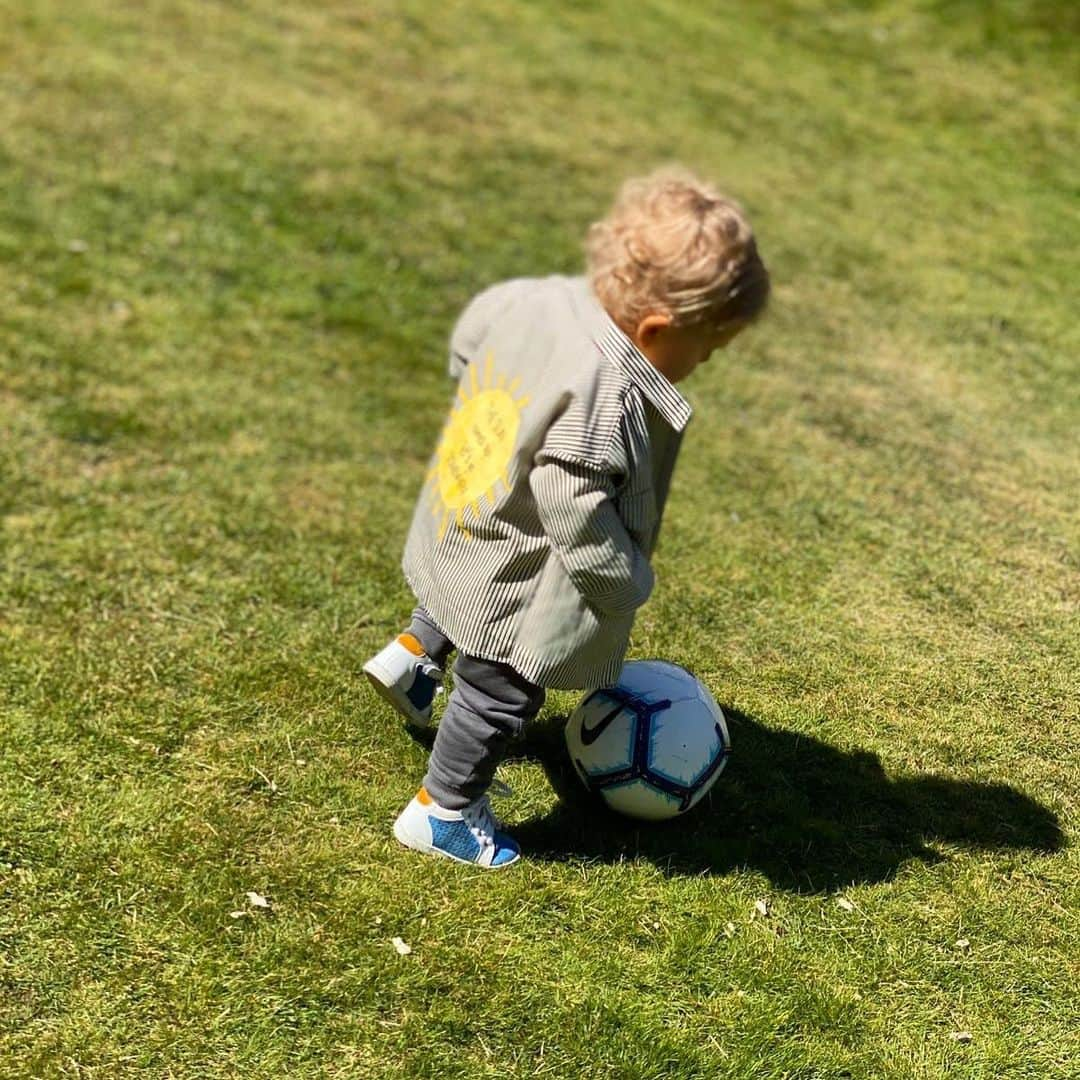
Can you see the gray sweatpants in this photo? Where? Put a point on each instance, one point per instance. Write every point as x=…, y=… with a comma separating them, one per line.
x=490, y=705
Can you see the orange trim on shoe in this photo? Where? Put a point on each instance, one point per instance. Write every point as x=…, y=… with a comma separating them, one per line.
x=423, y=798
x=412, y=644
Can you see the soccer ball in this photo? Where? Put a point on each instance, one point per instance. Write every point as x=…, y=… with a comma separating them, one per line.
x=652, y=744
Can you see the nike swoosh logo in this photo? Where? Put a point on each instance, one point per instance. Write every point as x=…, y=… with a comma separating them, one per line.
x=589, y=735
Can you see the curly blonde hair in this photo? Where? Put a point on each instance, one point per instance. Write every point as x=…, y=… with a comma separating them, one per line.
x=673, y=244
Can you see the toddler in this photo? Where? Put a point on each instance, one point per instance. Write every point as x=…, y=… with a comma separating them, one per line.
x=529, y=550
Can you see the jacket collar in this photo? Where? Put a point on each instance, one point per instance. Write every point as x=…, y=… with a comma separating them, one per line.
x=622, y=352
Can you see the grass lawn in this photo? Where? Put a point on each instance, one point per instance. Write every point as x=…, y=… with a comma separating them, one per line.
x=233, y=238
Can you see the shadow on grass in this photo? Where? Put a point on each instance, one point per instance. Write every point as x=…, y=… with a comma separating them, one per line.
x=807, y=815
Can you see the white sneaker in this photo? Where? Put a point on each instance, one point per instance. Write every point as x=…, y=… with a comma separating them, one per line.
x=471, y=835
x=407, y=677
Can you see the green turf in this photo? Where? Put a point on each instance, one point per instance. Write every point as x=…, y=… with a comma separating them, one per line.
x=233, y=237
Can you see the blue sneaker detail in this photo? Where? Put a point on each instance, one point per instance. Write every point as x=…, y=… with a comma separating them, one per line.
x=407, y=677
x=471, y=835
x=506, y=850
x=454, y=838
x=422, y=692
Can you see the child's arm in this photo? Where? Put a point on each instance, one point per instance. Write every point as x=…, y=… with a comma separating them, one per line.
x=577, y=510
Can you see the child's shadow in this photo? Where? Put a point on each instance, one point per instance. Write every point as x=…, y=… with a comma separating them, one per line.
x=808, y=816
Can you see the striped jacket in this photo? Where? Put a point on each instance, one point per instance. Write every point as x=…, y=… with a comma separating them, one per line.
x=531, y=541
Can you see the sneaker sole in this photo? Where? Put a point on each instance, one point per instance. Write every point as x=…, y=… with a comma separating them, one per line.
x=386, y=688
x=428, y=849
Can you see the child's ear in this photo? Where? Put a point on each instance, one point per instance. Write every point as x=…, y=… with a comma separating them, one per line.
x=649, y=327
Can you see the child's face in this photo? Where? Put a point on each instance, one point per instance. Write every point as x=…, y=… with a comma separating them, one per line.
x=675, y=351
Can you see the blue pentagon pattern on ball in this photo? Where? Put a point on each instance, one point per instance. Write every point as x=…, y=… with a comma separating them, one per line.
x=651, y=745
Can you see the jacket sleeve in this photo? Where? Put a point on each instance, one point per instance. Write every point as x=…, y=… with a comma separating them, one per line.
x=476, y=320
x=576, y=505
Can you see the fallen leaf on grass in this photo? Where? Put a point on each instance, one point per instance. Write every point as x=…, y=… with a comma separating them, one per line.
x=257, y=901
x=963, y=944
x=844, y=903
x=961, y=1036
x=761, y=907
x=400, y=947
x=274, y=789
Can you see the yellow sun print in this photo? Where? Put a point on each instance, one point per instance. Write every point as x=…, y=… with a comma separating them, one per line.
x=476, y=447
